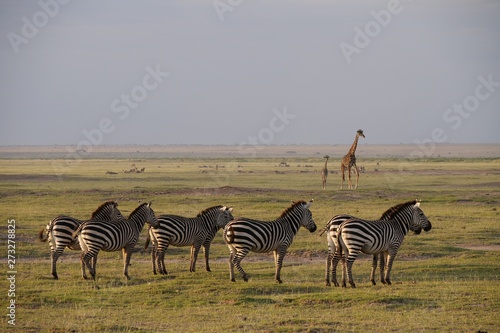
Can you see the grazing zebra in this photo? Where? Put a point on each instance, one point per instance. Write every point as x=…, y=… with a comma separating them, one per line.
x=331, y=233
x=109, y=237
x=245, y=235
x=385, y=236
x=60, y=229
x=182, y=231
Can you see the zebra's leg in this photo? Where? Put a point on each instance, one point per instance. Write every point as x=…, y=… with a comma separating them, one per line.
x=351, y=257
x=231, y=265
x=374, y=268
x=86, y=260
x=344, y=272
x=160, y=260
x=127, y=254
x=237, y=258
x=335, y=262
x=390, y=259
x=153, y=258
x=206, y=251
x=279, y=255
x=195, y=249
x=94, y=264
x=383, y=260
x=54, y=255
x=82, y=262
x=329, y=259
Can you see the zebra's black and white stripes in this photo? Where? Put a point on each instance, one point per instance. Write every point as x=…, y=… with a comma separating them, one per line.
x=182, y=231
x=95, y=236
x=384, y=236
x=331, y=233
x=245, y=235
x=59, y=231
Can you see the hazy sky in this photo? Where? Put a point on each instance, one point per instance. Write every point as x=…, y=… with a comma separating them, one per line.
x=254, y=71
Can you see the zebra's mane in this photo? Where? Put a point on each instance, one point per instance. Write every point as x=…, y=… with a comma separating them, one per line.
x=102, y=207
x=389, y=214
x=203, y=212
x=137, y=209
x=295, y=204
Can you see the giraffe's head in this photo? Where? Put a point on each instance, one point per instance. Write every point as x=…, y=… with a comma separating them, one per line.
x=326, y=157
x=360, y=133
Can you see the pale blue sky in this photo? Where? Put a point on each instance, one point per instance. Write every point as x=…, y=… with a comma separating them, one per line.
x=221, y=72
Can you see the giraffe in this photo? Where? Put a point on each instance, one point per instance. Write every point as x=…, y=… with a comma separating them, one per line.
x=324, y=172
x=349, y=161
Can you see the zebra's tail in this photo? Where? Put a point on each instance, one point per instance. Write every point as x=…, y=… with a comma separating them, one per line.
x=229, y=234
x=78, y=230
x=43, y=235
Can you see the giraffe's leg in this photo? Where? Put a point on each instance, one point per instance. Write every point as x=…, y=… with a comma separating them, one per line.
x=357, y=175
x=349, y=177
x=342, y=169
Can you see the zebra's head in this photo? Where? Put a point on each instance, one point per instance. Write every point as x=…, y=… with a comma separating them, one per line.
x=151, y=217
x=419, y=220
x=117, y=214
x=108, y=211
x=224, y=216
x=307, y=219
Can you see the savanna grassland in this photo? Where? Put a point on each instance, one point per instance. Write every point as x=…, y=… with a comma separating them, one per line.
x=446, y=280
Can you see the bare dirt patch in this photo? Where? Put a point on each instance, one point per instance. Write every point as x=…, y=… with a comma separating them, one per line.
x=480, y=247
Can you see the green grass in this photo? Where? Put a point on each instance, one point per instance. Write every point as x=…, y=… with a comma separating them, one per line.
x=438, y=285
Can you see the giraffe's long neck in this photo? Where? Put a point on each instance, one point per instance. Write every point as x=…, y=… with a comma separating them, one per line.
x=354, y=146
x=326, y=162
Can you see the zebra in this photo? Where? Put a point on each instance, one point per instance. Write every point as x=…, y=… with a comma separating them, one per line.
x=182, y=231
x=60, y=229
x=331, y=233
x=385, y=236
x=244, y=235
x=95, y=236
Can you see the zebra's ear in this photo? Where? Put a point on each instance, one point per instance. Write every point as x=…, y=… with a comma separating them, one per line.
x=230, y=209
x=417, y=204
x=309, y=203
x=149, y=204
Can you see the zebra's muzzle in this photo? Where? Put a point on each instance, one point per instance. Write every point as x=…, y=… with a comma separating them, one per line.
x=429, y=227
